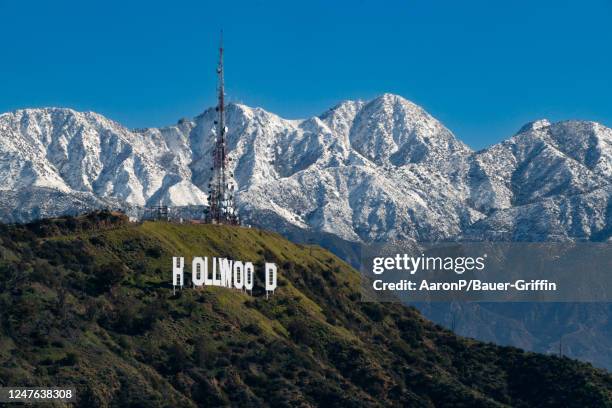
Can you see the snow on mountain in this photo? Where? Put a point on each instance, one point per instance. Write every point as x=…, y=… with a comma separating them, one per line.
x=542, y=160
x=85, y=152
x=364, y=171
x=556, y=218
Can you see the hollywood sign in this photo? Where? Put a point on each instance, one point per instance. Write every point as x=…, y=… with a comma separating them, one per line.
x=223, y=272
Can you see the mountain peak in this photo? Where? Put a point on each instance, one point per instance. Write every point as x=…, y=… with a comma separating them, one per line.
x=534, y=125
x=392, y=99
x=354, y=105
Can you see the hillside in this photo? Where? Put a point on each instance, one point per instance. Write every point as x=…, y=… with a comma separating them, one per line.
x=88, y=301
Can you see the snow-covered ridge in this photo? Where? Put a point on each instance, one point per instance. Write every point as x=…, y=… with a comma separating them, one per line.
x=374, y=170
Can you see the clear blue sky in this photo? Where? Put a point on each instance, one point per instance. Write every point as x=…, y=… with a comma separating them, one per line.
x=482, y=67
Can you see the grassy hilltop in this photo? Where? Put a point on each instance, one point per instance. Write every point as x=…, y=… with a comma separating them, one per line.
x=88, y=301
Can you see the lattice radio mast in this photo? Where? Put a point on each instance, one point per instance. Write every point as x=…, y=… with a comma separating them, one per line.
x=222, y=207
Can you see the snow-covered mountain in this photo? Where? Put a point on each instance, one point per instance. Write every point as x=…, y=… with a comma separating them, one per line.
x=74, y=152
x=548, y=182
x=364, y=171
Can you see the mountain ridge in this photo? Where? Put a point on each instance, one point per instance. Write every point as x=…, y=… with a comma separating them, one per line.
x=387, y=141
x=323, y=178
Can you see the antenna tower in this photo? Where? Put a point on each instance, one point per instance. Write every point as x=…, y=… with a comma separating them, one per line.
x=221, y=205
